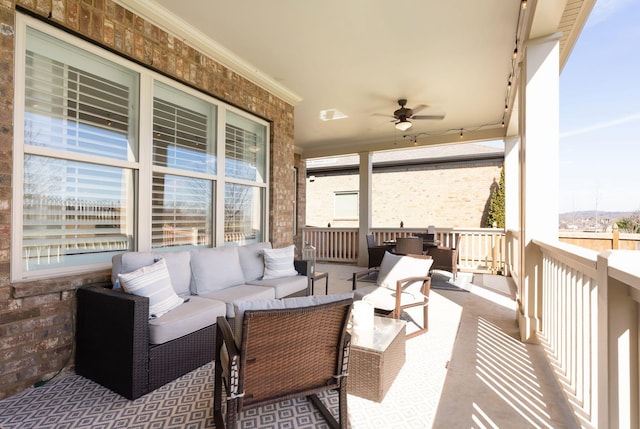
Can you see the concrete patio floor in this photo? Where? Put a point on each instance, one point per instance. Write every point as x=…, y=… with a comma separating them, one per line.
x=468, y=371
x=481, y=375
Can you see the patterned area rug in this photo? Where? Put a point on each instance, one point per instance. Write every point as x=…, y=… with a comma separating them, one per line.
x=71, y=401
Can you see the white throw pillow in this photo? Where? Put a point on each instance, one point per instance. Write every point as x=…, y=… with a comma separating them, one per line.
x=153, y=282
x=397, y=267
x=279, y=263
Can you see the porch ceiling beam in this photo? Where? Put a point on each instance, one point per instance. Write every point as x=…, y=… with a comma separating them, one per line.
x=407, y=141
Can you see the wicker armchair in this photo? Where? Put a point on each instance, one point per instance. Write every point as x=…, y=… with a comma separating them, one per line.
x=409, y=246
x=445, y=258
x=280, y=354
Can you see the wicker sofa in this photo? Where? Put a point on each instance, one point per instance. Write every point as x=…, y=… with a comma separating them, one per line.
x=121, y=347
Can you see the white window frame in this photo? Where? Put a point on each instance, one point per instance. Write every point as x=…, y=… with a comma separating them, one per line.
x=336, y=195
x=141, y=166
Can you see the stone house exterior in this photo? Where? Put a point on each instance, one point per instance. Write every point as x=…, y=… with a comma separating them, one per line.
x=36, y=316
x=445, y=186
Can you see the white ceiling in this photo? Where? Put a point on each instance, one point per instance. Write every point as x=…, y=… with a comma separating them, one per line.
x=360, y=56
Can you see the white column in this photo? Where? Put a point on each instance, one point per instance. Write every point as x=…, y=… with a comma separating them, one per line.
x=539, y=153
x=512, y=204
x=366, y=170
x=512, y=183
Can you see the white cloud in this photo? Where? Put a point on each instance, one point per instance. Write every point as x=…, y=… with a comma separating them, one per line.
x=603, y=9
x=601, y=125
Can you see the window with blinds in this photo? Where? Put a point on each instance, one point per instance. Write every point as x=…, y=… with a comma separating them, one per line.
x=345, y=205
x=183, y=131
x=184, y=140
x=245, y=145
x=245, y=161
x=74, y=211
x=243, y=213
x=89, y=189
x=181, y=211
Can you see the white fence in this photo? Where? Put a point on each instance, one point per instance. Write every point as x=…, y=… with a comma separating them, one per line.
x=480, y=249
x=589, y=325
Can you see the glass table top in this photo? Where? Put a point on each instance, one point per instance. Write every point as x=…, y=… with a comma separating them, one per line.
x=384, y=331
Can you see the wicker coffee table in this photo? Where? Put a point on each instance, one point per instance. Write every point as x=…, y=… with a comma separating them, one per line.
x=376, y=358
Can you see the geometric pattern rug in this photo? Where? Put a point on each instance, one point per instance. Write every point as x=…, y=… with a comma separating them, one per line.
x=71, y=401
x=74, y=402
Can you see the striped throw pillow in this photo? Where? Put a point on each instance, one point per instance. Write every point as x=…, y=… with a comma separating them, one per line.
x=152, y=281
x=279, y=263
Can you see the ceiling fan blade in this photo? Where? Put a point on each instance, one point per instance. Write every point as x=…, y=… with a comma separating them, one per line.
x=419, y=107
x=383, y=115
x=427, y=117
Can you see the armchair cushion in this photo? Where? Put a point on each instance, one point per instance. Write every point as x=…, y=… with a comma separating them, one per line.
x=153, y=282
x=274, y=304
x=385, y=299
x=279, y=263
x=398, y=267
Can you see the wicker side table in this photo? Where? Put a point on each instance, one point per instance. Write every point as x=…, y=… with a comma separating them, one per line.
x=376, y=359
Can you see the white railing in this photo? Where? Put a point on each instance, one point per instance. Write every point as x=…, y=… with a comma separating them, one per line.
x=590, y=329
x=480, y=249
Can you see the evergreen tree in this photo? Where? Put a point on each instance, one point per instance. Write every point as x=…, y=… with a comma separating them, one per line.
x=496, y=204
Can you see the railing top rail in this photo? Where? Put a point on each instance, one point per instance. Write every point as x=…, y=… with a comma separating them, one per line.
x=577, y=257
x=329, y=229
x=624, y=265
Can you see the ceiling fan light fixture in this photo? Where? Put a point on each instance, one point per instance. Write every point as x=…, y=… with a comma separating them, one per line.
x=403, y=125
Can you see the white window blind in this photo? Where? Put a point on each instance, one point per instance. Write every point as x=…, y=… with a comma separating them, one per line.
x=183, y=131
x=345, y=205
x=69, y=107
x=243, y=208
x=74, y=213
x=182, y=211
x=245, y=149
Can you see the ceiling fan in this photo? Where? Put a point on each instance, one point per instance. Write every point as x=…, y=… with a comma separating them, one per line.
x=403, y=114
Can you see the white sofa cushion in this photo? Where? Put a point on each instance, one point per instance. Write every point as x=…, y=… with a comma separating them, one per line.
x=252, y=260
x=178, y=264
x=279, y=262
x=196, y=313
x=240, y=292
x=153, y=282
x=215, y=269
x=284, y=286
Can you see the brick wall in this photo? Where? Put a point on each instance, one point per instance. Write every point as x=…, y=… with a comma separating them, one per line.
x=36, y=317
x=454, y=195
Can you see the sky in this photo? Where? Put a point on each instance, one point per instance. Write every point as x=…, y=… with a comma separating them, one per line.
x=600, y=112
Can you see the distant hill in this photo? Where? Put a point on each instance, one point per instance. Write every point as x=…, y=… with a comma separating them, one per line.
x=590, y=220
x=593, y=213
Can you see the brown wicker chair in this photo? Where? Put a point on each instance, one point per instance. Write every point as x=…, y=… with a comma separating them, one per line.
x=406, y=294
x=409, y=246
x=376, y=252
x=445, y=258
x=284, y=353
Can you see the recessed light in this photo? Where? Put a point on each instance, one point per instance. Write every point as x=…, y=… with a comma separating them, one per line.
x=331, y=115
